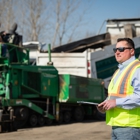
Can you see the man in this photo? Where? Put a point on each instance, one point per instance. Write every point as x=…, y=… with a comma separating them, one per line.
x=2, y=44
x=122, y=105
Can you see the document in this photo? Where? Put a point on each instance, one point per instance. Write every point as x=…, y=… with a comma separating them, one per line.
x=83, y=102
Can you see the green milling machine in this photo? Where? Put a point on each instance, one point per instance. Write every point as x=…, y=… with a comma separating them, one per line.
x=38, y=95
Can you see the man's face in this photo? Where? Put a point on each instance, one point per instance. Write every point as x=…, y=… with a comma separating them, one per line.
x=126, y=54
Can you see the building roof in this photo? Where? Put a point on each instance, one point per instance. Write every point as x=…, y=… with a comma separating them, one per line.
x=123, y=19
x=98, y=41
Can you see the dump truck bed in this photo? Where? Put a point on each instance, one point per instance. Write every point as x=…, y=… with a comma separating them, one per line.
x=77, y=88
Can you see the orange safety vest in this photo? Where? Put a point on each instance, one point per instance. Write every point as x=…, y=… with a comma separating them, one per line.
x=122, y=88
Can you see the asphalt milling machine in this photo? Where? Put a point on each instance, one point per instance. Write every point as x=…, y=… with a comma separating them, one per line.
x=32, y=96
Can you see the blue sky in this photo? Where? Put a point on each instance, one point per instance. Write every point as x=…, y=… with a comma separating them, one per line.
x=98, y=12
x=112, y=9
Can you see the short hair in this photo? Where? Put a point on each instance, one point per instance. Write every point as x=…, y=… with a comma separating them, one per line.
x=128, y=40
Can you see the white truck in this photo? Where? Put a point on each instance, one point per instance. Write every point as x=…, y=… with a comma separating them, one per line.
x=99, y=63
x=94, y=56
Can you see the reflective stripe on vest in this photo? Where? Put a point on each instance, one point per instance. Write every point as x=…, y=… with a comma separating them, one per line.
x=121, y=90
x=119, y=116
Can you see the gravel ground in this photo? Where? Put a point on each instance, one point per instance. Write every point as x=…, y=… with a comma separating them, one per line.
x=87, y=130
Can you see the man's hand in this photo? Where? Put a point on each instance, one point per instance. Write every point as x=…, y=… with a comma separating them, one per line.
x=106, y=105
x=100, y=109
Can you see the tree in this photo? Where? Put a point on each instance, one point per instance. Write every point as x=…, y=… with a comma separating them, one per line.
x=7, y=15
x=34, y=20
x=68, y=18
x=57, y=21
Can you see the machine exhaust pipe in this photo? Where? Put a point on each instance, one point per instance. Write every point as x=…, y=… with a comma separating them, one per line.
x=49, y=52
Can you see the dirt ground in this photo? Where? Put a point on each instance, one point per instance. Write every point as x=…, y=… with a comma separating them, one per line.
x=87, y=130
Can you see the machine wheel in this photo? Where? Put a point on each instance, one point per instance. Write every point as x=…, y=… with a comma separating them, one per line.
x=21, y=117
x=79, y=114
x=5, y=127
x=67, y=116
x=41, y=120
x=33, y=120
x=49, y=121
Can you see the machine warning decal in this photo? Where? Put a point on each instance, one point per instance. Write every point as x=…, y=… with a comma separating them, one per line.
x=18, y=101
x=30, y=104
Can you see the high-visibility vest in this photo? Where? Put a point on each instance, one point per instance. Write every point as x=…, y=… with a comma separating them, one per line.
x=122, y=88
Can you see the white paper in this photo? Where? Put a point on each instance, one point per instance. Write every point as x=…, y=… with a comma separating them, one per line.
x=83, y=102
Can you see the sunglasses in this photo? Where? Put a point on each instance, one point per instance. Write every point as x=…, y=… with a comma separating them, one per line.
x=121, y=49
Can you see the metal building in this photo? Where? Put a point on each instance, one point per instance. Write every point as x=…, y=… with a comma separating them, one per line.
x=118, y=28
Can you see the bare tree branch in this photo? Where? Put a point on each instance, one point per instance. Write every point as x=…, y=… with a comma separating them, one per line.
x=7, y=17
x=56, y=21
x=68, y=20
